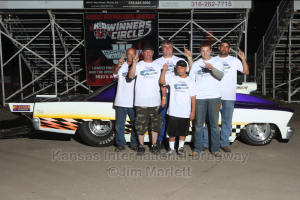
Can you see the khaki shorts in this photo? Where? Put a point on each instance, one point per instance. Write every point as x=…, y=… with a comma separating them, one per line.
x=147, y=118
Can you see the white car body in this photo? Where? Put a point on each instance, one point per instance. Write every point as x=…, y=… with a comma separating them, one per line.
x=65, y=117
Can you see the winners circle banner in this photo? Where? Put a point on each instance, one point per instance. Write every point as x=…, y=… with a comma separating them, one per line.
x=108, y=35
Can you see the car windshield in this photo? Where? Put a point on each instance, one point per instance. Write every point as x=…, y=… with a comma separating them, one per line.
x=104, y=94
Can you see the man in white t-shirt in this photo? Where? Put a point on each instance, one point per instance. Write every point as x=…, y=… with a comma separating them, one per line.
x=124, y=101
x=207, y=72
x=168, y=57
x=147, y=99
x=182, y=105
x=228, y=89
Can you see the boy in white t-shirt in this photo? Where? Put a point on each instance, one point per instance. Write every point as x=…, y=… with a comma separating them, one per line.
x=207, y=72
x=182, y=105
x=123, y=103
x=147, y=99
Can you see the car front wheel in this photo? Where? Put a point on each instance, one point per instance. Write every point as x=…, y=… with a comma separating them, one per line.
x=97, y=133
x=257, y=134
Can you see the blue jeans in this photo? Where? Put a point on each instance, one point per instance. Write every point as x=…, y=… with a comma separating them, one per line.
x=212, y=107
x=121, y=114
x=226, y=115
x=205, y=136
x=163, y=117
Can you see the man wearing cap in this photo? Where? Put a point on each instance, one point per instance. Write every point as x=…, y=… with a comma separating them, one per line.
x=147, y=99
x=182, y=105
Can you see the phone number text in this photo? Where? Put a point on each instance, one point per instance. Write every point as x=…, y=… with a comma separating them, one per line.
x=211, y=4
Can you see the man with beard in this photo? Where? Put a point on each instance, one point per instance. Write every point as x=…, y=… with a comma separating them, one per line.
x=228, y=89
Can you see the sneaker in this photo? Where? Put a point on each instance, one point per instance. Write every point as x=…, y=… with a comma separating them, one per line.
x=194, y=154
x=119, y=148
x=226, y=149
x=205, y=149
x=160, y=145
x=169, y=153
x=140, y=151
x=181, y=152
x=134, y=148
x=217, y=154
x=155, y=149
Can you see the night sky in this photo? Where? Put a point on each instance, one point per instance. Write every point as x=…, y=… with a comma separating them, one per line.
x=259, y=19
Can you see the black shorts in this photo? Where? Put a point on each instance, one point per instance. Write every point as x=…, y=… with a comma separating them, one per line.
x=178, y=126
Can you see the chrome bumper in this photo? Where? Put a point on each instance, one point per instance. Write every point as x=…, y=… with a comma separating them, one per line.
x=36, y=123
x=289, y=133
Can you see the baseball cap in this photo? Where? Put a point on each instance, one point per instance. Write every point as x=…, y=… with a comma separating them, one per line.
x=181, y=63
x=147, y=46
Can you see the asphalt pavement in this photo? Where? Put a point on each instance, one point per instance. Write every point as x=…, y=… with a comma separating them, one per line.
x=54, y=166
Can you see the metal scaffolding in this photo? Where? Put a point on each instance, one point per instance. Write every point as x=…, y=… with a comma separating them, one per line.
x=277, y=58
x=50, y=43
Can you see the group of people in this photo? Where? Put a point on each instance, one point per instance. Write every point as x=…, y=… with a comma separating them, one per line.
x=162, y=96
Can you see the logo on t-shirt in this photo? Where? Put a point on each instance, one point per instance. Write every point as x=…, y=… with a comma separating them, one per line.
x=149, y=72
x=181, y=86
x=226, y=66
x=124, y=74
x=203, y=71
x=171, y=67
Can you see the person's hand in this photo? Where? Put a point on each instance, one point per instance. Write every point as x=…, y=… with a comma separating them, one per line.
x=187, y=53
x=208, y=65
x=165, y=66
x=136, y=58
x=241, y=54
x=192, y=116
x=121, y=60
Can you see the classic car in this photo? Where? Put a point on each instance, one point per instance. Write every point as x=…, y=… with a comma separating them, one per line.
x=255, y=120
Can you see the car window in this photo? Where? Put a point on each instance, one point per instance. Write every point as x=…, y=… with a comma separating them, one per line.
x=104, y=94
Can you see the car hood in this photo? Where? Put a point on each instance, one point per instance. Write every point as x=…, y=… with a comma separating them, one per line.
x=248, y=99
x=253, y=102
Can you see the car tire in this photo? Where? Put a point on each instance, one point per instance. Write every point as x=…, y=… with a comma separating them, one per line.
x=257, y=134
x=97, y=133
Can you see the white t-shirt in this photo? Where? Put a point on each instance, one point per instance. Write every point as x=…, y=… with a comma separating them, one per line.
x=125, y=90
x=147, y=90
x=207, y=86
x=172, y=64
x=181, y=91
x=228, y=83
